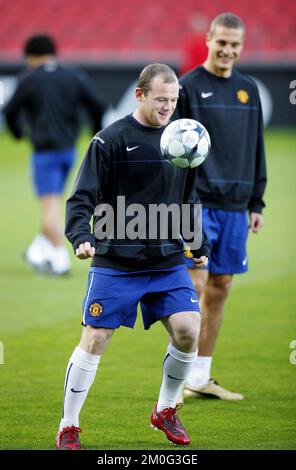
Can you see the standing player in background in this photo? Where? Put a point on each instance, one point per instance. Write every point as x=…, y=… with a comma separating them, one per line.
x=49, y=96
x=124, y=160
x=194, y=49
x=230, y=183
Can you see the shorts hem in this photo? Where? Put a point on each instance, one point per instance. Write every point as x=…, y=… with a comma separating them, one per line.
x=146, y=327
x=229, y=271
x=49, y=193
x=95, y=325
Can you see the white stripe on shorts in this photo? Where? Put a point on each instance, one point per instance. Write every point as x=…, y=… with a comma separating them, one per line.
x=87, y=296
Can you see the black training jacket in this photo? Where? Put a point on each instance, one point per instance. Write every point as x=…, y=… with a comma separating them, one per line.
x=49, y=99
x=234, y=175
x=124, y=159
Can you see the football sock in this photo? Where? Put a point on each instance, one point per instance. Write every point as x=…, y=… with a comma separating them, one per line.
x=60, y=260
x=175, y=370
x=200, y=373
x=40, y=250
x=80, y=375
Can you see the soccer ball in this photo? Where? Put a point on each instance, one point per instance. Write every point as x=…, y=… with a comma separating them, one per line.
x=185, y=143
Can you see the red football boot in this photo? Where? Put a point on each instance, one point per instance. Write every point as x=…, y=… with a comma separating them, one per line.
x=168, y=422
x=68, y=439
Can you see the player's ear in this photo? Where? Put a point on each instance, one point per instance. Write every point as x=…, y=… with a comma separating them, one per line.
x=139, y=94
x=208, y=37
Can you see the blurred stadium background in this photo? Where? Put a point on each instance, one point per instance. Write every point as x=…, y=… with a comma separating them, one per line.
x=39, y=322
x=112, y=39
x=113, y=30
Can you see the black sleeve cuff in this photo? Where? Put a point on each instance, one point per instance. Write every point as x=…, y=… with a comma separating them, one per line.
x=83, y=239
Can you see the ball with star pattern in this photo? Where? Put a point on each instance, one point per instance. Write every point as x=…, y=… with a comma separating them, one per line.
x=185, y=143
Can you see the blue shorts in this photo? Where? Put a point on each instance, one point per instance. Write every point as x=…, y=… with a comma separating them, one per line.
x=50, y=170
x=112, y=296
x=228, y=233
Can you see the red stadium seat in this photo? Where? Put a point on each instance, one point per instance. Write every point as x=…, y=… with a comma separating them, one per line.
x=114, y=26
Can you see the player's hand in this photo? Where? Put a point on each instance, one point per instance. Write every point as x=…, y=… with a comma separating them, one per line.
x=201, y=262
x=256, y=222
x=85, y=250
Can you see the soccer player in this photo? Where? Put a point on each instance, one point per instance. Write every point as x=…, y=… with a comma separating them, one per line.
x=230, y=183
x=50, y=95
x=124, y=160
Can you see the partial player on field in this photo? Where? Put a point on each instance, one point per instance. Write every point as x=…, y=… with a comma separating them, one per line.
x=230, y=183
x=48, y=100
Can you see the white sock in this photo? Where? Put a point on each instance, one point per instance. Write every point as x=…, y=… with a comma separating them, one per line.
x=60, y=260
x=40, y=250
x=200, y=373
x=80, y=375
x=175, y=370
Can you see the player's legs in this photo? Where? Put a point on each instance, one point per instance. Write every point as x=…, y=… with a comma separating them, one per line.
x=51, y=225
x=39, y=253
x=54, y=168
x=212, y=303
x=47, y=252
x=80, y=374
x=102, y=314
x=52, y=229
x=49, y=173
x=199, y=278
x=167, y=292
x=228, y=255
x=183, y=328
x=95, y=340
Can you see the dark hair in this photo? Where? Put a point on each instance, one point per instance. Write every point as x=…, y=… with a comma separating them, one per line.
x=153, y=70
x=228, y=20
x=39, y=44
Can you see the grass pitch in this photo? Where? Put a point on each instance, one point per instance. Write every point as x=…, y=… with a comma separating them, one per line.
x=40, y=325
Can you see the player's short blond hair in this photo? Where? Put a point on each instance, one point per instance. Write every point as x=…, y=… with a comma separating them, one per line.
x=228, y=20
x=153, y=70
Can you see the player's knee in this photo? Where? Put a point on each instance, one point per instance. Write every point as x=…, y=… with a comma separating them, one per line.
x=186, y=335
x=221, y=285
x=95, y=340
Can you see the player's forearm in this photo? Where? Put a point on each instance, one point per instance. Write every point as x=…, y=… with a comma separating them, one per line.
x=77, y=228
x=14, y=124
x=256, y=203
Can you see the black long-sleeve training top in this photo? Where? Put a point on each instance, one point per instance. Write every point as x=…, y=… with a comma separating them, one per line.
x=49, y=97
x=234, y=175
x=125, y=160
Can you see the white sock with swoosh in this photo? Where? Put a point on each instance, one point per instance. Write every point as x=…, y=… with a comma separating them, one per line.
x=81, y=372
x=175, y=370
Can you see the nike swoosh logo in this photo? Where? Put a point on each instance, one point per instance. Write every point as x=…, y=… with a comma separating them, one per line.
x=99, y=138
x=207, y=95
x=129, y=149
x=245, y=261
x=193, y=300
x=77, y=391
x=175, y=378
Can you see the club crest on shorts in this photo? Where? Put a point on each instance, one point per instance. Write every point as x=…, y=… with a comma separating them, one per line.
x=95, y=309
x=243, y=96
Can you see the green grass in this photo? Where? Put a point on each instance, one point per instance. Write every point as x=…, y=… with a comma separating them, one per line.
x=40, y=325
